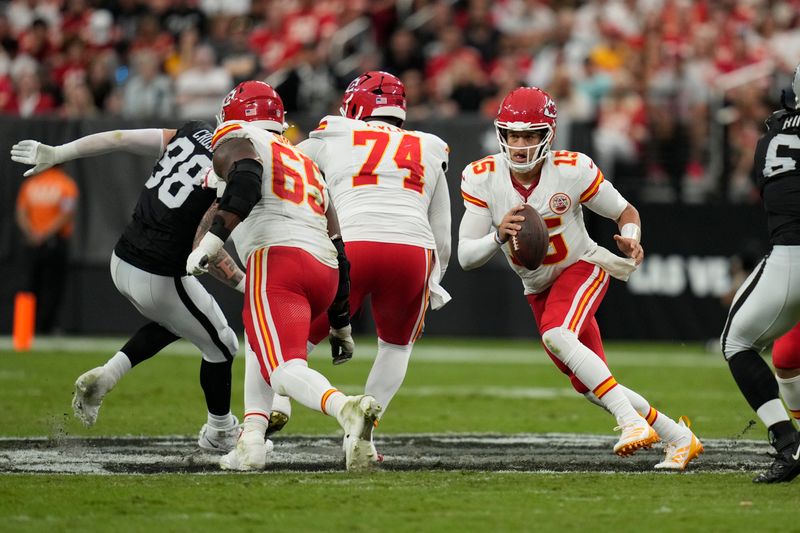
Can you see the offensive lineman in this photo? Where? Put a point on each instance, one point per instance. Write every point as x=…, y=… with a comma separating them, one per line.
x=767, y=305
x=393, y=206
x=566, y=290
x=148, y=267
x=274, y=196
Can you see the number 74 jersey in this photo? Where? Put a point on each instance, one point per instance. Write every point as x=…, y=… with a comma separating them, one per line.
x=294, y=197
x=568, y=181
x=382, y=178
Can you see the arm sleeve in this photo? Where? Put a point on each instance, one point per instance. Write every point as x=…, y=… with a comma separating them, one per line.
x=476, y=244
x=608, y=202
x=143, y=142
x=597, y=193
x=439, y=218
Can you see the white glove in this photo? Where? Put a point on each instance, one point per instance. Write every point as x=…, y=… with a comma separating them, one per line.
x=35, y=153
x=342, y=345
x=206, y=251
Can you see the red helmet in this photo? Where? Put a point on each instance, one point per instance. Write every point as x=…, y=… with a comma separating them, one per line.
x=527, y=109
x=256, y=102
x=374, y=94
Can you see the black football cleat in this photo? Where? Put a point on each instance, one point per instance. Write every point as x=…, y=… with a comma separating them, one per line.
x=784, y=468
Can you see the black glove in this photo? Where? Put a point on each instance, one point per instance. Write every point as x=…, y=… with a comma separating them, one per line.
x=339, y=311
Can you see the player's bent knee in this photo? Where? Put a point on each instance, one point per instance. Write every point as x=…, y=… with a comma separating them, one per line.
x=731, y=346
x=279, y=377
x=785, y=357
x=560, y=341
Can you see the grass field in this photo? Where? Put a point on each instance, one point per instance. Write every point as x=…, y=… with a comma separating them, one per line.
x=453, y=386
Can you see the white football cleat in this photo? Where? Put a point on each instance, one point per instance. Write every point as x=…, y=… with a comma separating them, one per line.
x=90, y=389
x=219, y=440
x=635, y=436
x=250, y=453
x=357, y=418
x=683, y=450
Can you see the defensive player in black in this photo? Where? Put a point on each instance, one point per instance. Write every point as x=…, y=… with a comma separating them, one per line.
x=148, y=267
x=767, y=305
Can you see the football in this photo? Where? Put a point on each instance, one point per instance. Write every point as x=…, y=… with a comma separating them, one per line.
x=529, y=246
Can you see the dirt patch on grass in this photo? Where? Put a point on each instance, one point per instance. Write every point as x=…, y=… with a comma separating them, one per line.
x=553, y=452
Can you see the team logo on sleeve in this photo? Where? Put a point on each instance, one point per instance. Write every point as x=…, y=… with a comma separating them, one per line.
x=559, y=203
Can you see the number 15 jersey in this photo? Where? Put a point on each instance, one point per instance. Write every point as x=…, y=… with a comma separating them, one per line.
x=568, y=181
x=382, y=178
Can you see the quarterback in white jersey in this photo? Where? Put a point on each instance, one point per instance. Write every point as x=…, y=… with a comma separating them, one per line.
x=275, y=199
x=393, y=205
x=566, y=290
x=568, y=181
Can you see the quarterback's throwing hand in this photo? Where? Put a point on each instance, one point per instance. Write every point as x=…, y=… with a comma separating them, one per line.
x=197, y=262
x=34, y=153
x=508, y=226
x=342, y=345
x=631, y=248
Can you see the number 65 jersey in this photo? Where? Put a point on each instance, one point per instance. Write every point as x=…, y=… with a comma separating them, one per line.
x=568, y=181
x=294, y=197
x=382, y=178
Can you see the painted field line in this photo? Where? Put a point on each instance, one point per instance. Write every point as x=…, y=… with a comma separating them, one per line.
x=459, y=352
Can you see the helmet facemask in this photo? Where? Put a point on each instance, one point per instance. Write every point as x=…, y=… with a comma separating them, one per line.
x=535, y=153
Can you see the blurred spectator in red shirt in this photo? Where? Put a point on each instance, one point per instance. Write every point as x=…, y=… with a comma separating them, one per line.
x=28, y=98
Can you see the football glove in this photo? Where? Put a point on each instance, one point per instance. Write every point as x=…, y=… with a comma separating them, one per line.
x=30, y=152
x=207, y=250
x=342, y=345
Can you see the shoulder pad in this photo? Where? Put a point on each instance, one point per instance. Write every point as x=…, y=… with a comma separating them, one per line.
x=332, y=124
x=227, y=131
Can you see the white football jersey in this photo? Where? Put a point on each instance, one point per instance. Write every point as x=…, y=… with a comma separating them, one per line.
x=381, y=178
x=294, y=198
x=568, y=181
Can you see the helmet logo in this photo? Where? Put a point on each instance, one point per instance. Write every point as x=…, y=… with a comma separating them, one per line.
x=549, y=109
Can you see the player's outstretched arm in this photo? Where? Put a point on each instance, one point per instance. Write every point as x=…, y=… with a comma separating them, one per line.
x=630, y=233
x=43, y=156
x=224, y=267
x=237, y=163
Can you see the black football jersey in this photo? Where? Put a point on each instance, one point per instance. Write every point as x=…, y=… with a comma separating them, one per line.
x=777, y=173
x=159, y=237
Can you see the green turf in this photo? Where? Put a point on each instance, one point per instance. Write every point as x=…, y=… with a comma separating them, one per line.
x=452, y=386
x=421, y=501
x=479, y=386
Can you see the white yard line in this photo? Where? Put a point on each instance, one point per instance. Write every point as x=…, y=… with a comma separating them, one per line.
x=459, y=352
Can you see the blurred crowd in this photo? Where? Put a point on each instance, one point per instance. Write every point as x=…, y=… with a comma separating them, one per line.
x=669, y=96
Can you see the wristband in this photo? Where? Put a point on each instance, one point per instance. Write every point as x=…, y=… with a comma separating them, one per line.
x=211, y=245
x=497, y=237
x=631, y=231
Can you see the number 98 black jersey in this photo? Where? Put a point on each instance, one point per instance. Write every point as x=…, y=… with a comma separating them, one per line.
x=777, y=173
x=159, y=237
